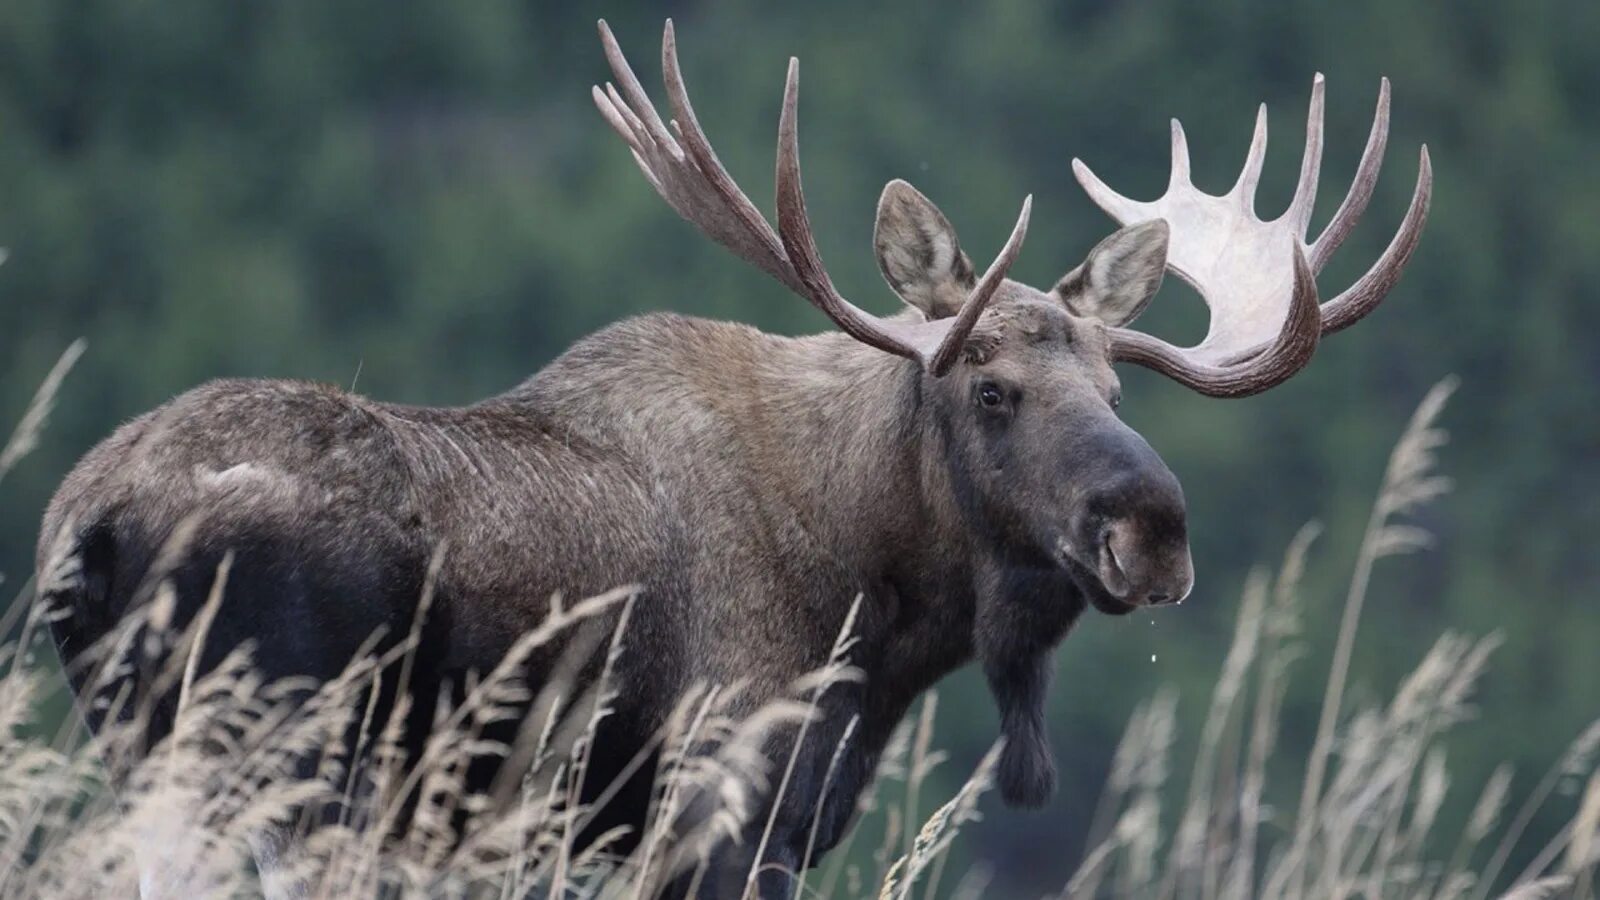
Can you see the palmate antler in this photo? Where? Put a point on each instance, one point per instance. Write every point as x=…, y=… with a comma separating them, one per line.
x=1259, y=277
x=685, y=171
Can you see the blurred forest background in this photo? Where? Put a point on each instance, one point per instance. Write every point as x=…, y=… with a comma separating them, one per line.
x=422, y=193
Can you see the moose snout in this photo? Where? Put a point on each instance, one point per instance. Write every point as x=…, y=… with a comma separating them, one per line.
x=1139, y=535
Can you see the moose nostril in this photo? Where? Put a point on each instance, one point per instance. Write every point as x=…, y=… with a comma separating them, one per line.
x=1160, y=599
x=1113, y=572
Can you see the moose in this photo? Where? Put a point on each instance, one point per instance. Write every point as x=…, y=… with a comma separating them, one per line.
x=955, y=473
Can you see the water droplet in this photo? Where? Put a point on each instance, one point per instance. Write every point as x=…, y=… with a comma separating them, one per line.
x=1152, y=657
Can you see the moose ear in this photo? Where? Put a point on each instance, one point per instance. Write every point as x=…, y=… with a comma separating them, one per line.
x=918, y=253
x=1116, y=281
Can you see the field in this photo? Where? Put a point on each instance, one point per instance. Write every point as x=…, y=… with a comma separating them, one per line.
x=185, y=812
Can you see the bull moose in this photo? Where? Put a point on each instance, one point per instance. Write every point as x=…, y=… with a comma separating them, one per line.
x=958, y=469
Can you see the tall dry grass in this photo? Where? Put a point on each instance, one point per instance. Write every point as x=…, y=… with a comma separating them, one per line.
x=247, y=759
x=1371, y=790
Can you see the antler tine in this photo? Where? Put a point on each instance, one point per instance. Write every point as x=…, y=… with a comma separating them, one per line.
x=1361, y=186
x=1305, y=189
x=611, y=107
x=638, y=100
x=964, y=321
x=1115, y=205
x=1250, y=176
x=794, y=230
x=1180, y=158
x=1369, y=290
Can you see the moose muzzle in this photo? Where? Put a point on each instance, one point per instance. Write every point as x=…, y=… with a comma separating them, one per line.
x=1132, y=531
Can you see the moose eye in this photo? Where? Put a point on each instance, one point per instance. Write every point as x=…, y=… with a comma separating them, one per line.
x=990, y=395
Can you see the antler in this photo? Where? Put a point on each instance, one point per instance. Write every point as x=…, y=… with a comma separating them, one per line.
x=1259, y=278
x=685, y=171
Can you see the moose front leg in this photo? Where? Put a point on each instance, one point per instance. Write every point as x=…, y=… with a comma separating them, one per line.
x=807, y=790
x=818, y=799
x=1022, y=614
x=760, y=861
x=765, y=860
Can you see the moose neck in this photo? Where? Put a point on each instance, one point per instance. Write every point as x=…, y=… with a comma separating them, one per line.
x=858, y=458
x=853, y=453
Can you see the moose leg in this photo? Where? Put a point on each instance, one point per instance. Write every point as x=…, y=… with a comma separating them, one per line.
x=771, y=850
